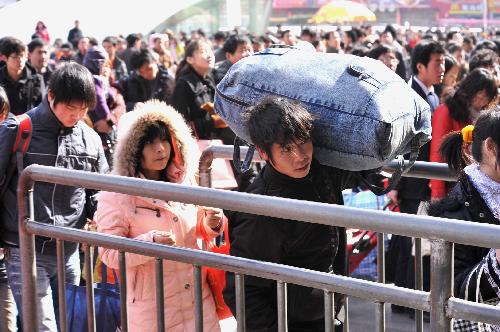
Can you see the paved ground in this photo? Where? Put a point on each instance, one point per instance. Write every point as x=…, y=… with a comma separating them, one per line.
x=362, y=318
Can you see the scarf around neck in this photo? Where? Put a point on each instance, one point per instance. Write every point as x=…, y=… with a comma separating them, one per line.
x=487, y=188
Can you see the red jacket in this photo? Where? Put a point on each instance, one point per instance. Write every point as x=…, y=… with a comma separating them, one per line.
x=442, y=124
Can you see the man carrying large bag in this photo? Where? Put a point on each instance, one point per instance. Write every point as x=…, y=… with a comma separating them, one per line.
x=363, y=115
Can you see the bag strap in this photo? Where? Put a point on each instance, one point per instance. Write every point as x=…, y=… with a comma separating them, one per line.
x=247, y=163
x=21, y=144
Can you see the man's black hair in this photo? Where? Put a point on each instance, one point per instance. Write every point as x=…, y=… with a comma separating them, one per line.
x=382, y=49
x=220, y=35
x=232, y=43
x=308, y=32
x=140, y=57
x=390, y=29
x=71, y=83
x=132, y=39
x=110, y=39
x=485, y=44
x=278, y=120
x=453, y=47
x=93, y=41
x=484, y=58
x=34, y=44
x=11, y=45
x=422, y=53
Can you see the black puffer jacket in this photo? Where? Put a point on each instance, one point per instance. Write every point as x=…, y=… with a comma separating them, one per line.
x=465, y=203
x=300, y=244
x=24, y=94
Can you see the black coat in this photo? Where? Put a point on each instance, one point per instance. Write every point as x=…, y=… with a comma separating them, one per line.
x=190, y=93
x=465, y=203
x=136, y=89
x=413, y=188
x=300, y=244
x=24, y=94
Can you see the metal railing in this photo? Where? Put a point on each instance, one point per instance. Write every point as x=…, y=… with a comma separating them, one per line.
x=442, y=232
x=423, y=170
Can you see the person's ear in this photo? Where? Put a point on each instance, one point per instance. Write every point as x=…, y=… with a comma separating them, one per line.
x=420, y=66
x=263, y=155
x=189, y=60
x=491, y=147
x=50, y=96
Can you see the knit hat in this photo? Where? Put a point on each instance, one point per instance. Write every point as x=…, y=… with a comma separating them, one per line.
x=95, y=58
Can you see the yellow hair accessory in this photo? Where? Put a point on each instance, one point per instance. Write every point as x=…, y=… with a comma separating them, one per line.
x=467, y=133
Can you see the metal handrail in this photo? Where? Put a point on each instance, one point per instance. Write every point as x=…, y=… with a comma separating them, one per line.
x=474, y=234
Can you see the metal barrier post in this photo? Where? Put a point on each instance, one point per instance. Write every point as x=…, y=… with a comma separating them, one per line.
x=89, y=288
x=329, y=312
x=198, y=299
x=160, y=304
x=123, y=291
x=419, y=282
x=27, y=249
x=441, y=284
x=380, y=306
x=239, y=280
x=282, y=304
x=61, y=284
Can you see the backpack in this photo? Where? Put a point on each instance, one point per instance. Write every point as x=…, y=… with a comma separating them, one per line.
x=365, y=115
x=21, y=144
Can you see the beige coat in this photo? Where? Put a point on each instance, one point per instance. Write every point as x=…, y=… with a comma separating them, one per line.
x=136, y=217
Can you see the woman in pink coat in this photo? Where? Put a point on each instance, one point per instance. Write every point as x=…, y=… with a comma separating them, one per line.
x=155, y=143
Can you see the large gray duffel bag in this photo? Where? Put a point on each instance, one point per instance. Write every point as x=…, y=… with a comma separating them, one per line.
x=365, y=114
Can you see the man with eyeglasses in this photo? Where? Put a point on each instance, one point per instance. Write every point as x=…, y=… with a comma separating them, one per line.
x=25, y=88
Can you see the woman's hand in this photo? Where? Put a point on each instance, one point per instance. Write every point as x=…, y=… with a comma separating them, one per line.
x=163, y=237
x=213, y=217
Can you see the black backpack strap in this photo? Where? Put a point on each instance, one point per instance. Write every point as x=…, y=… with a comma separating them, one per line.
x=247, y=163
x=21, y=144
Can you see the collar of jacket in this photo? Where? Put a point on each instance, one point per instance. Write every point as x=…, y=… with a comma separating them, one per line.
x=271, y=175
x=192, y=76
x=48, y=120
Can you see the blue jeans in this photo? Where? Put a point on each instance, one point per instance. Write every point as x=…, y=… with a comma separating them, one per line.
x=46, y=284
x=8, y=312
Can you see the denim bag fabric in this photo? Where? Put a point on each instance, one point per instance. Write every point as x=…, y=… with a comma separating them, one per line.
x=365, y=115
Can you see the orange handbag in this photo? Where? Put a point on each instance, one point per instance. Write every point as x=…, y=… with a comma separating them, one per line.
x=217, y=278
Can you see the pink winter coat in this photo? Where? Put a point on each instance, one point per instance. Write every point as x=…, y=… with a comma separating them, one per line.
x=136, y=217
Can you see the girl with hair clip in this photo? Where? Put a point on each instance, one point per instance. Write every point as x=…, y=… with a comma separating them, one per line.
x=475, y=198
x=155, y=143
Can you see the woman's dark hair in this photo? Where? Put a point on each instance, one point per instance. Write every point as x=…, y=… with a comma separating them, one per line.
x=4, y=102
x=449, y=62
x=191, y=48
x=478, y=80
x=487, y=125
x=73, y=83
x=278, y=120
x=155, y=130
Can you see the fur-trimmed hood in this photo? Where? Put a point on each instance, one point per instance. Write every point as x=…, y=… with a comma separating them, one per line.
x=132, y=126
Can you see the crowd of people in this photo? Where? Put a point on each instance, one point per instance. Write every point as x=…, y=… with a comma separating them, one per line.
x=136, y=105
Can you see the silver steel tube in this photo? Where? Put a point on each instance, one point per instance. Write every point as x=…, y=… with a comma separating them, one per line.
x=282, y=306
x=329, y=312
x=423, y=170
x=239, y=281
x=198, y=299
x=89, y=279
x=61, y=284
x=338, y=284
x=380, y=306
x=123, y=291
x=345, y=326
x=160, y=303
x=419, y=282
x=441, y=284
x=27, y=249
x=476, y=312
x=458, y=231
